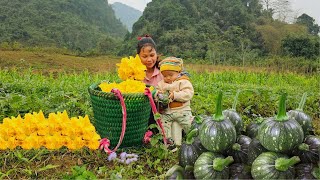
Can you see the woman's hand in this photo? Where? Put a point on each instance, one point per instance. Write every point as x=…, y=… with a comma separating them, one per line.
x=171, y=95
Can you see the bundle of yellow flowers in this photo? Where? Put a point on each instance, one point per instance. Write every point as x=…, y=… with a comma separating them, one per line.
x=132, y=72
x=127, y=86
x=131, y=68
x=58, y=130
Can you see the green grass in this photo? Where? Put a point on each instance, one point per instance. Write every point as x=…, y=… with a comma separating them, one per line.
x=23, y=91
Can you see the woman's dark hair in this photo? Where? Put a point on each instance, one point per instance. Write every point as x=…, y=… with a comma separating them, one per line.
x=146, y=40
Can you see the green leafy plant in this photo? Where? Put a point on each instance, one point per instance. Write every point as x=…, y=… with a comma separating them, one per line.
x=80, y=172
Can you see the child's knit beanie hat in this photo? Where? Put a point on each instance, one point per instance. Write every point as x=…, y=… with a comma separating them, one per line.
x=171, y=63
x=143, y=41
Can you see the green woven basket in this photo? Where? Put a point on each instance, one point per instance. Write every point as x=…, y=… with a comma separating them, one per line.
x=107, y=114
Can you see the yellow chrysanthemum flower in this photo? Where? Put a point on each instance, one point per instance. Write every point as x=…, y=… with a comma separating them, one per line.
x=49, y=142
x=10, y=130
x=76, y=143
x=85, y=121
x=12, y=143
x=127, y=86
x=20, y=133
x=65, y=141
x=39, y=116
x=63, y=116
x=32, y=141
x=67, y=129
x=3, y=144
x=107, y=87
x=87, y=134
x=28, y=143
x=4, y=132
x=43, y=128
x=71, y=145
x=92, y=144
x=34, y=131
x=58, y=141
x=95, y=137
x=131, y=68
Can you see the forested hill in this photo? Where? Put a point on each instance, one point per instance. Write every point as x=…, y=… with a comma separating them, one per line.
x=218, y=30
x=189, y=28
x=127, y=15
x=79, y=25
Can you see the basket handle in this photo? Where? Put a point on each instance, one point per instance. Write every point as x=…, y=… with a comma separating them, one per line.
x=156, y=114
x=105, y=143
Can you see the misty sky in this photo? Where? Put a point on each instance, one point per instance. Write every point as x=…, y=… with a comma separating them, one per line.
x=310, y=7
x=137, y=4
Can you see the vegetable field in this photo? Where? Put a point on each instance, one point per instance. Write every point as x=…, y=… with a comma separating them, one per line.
x=23, y=91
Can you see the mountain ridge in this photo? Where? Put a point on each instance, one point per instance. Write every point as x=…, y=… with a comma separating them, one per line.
x=128, y=15
x=80, y=25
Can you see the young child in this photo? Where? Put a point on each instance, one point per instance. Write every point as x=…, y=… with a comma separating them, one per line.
x=176, y=84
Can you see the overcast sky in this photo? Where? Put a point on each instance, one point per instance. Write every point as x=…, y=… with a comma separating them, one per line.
x=137, y=4
x=310, y=7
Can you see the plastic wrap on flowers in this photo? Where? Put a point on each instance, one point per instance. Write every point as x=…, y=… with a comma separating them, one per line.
x=107, y=113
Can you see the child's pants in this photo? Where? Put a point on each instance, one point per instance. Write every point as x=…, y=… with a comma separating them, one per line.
x=174, y=123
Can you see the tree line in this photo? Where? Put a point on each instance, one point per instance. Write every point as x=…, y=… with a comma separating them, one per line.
x=216, y=31
x=225, y=31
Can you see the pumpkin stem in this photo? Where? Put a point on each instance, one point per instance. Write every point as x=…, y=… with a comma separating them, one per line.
x=219, y=163
x=316, y=172
x=188, y=168
x=259, y=120
x=236, y=147
x=235, y=101
x=282, y=114
x=302, y=102
x=175, y=168
x=191, y=135
x=218, y=116
x=303, y=147
x=198, y=119
x=283, y=164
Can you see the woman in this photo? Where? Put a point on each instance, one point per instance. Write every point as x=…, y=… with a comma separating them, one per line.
x=146, y=49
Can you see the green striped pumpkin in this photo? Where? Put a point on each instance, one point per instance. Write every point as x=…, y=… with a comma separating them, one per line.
x=191, y=149
x=301, y=117
x=217, y=133
x=210, y=165
x=271, y=165
x=234, y=116
x=280, y=133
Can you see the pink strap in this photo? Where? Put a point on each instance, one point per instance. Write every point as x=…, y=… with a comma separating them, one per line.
x=156, y=113
x=105, y=143
x=124, y=116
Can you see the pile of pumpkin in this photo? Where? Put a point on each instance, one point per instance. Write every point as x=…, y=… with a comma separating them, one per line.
x=280, y=147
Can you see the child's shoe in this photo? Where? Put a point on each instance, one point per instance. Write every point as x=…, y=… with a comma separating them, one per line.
x=171, y=146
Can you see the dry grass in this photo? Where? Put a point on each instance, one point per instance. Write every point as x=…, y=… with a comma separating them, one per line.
x=220, y=68
x=46, y=62
x=49, y=62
